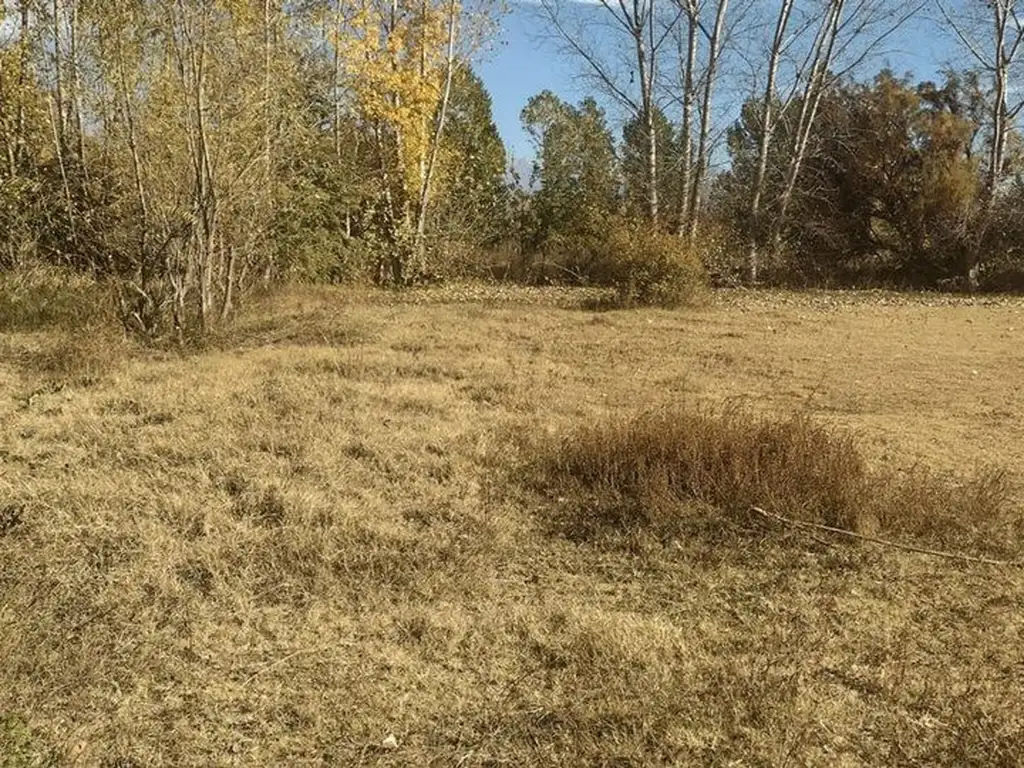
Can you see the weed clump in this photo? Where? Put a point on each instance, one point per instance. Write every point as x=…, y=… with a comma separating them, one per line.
x=636, y=470
x=639, y=472
x=11, y=517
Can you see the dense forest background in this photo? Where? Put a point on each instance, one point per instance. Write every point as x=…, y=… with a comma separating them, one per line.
x=183, y=152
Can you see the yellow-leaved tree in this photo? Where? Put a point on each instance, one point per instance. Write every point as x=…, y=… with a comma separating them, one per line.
x=397, y=62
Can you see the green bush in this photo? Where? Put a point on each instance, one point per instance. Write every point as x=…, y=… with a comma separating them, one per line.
x=648, y=268
x=39, y=297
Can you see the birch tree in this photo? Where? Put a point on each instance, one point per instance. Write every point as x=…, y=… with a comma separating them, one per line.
x=818, y=44
x=767, y=115
x=704, y=35
x=399, y=61
x=631, y=79
x=687, y=53
x=991, y=32
x=193, y=92
x=715, y=40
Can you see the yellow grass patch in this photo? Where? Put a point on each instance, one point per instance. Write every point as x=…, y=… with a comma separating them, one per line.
x=308, y=544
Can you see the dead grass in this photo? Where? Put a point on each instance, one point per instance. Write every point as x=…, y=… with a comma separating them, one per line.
x=646, y=465
x=641, y=472
x=302, y=541
x=59, y=327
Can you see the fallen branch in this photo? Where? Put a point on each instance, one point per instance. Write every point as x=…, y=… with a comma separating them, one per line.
x=277, y=663
x=884, y=542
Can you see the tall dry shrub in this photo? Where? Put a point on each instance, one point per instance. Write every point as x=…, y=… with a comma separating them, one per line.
x=644, y=267
x=641, y=472
x=649, y=268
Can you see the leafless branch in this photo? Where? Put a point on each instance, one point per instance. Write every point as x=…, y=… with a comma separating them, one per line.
x=885, y=542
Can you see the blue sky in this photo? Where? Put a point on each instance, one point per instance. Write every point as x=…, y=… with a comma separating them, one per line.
x=521, y=63
x=519, y=66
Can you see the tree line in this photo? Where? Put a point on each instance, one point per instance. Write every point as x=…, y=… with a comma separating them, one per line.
x=822, y=171
x=187, y=151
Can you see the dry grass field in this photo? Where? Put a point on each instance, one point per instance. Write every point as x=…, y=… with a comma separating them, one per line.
x=347, y=532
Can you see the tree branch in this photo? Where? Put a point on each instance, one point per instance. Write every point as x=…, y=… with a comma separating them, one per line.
x=885, y=542
x=972, y=47
x=589, y=58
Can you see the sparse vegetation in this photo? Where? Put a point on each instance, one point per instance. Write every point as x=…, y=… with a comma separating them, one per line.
x=320, y=541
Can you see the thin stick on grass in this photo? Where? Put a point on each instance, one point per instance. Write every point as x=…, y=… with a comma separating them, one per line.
x=886, y=542
x=277, y=663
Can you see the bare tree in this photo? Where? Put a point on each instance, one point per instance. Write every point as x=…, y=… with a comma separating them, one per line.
x=992, y=33
x=814, y=89
x=778, y=47
x=637, y=21
x=715, y=39
x=707, y=33
x=687, y=83
x=997, y=55
x=430, y=159
x=842, y=35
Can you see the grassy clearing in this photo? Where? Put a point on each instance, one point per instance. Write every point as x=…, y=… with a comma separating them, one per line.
x=304, y=539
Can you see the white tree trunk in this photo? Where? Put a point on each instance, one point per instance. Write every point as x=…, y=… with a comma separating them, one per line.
x=764, y=144
x=427, y=175
x=814, y=90
x=703, y=139
x=686, y=129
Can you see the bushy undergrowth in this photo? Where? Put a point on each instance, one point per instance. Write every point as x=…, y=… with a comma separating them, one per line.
x=79, y=358
x=41, y=297
x=639, y=472
x=645, y=268
x=650, y=268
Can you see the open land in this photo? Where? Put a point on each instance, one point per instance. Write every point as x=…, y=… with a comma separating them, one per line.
x=315, y=541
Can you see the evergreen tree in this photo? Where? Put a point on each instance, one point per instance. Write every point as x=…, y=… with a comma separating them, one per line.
x=635, y=172
x=473, y=205
x=575, y=174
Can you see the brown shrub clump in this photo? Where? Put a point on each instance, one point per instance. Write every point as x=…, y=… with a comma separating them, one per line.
x=649, y=269
x=636, y=472
x=640, y=268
